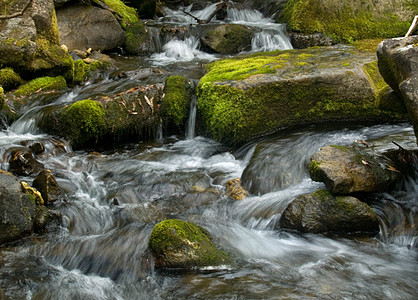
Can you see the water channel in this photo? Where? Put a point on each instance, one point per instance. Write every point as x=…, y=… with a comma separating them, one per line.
x=101, y=251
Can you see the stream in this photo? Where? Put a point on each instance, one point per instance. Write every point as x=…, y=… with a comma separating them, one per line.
x=113, y=199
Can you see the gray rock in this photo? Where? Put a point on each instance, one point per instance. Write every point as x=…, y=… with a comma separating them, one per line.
x=346, y=170
x=320, y=212
x=228, y=39
x=83, y=27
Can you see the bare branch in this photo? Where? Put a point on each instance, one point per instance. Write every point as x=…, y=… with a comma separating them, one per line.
x=4, y=17
x=413, y=25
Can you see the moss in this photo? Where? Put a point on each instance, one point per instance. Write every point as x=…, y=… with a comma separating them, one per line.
x=1, y=98
x=128, y=14
x=41, y=84
x=34, y=194
x=367, y=45
x=324, y=195
x=175, y=105
x=228, y=39
x=136, y=36
x=345, y=20
x=84, y=121
x=80, y=73
x=342, y=148
x=9, y=79
x=185, y=245
x=314, y=171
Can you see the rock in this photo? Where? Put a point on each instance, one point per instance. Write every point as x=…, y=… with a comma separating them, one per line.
x=302, y=41
x=398, y=64
x=127, y=16
x=320, y=212
x=248, y=96
x=9, y=79
x=35, y=194
x=46, y=184
x=234, y=189
x=82, y=27
x=22, y=162
x=105, y=120
x=346, y=170
x=16, y=210
x=349, y=20
x=36, y=147
x=184, y=245
x=175, y=105
x=41, y=84
x=139, y=39
x=228, y=39
x=29, y=42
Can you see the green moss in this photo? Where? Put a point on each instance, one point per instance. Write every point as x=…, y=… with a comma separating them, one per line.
x=314, y=171
x=128, y=14
x=372, y=71
x=9, y=79
x=171, y=239
x=345, y=20
x=342, y=148
x=84, y=121
x=1, y=98
x=176, y=102
x=229, y=38
x=136, y=36
x=367, y=45
x=80, y=73
x=324, y=195
x=41, y=84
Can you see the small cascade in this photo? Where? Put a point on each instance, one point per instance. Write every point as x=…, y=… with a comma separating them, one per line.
x=237, y=15
x=270, y=41
x=191, y=122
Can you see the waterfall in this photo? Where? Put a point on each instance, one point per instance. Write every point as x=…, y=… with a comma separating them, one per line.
x=191, y=122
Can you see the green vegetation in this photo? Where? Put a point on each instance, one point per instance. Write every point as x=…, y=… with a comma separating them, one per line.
x=345, y=20
x=176, y=102
x=128, y=14
x=135, y=38
x=85, y=121
x=1, y=98
x=41, y=84
x=181, y=244
x=9, y=79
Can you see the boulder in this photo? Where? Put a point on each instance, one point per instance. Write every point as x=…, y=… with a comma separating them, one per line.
x=228, y=39
x=184, y=245
x=83, y=27
x=398, y=64
x=22, y=162
x=9, y=79
x=234, y=189
x=46, y=184
x=41, y=84
x=346, y=170
x=139, y=39
x=248, y=96
x=349, y=20
x=29, y=41
x=320, y=212
x=105, y=120
x=305, y=40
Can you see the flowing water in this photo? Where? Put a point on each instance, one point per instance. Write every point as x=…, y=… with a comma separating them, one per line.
x=115, y=197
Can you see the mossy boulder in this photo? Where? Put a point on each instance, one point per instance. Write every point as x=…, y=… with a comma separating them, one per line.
x=321, y=212
x=176, y=102
x=9, y=79
x=138, y=39
x=106, y=120
x=29, y=43
x=127, y=15
x=248, y=96
x=184, y=245
x=349, y=20
x=346, y=170
x=228, y=39
x=43, y=84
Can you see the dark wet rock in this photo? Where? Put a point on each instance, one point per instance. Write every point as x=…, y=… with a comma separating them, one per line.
x=83, y=27
x=184, y=245
x=9, y=79
x=36, y=147
x=22, y=162
x=32, y=192
x=321, y=212
x=302, y=41
x=234, y=189
x=398, y=64
x=248, y=96
x=47, y=185
x=106, y=120
x=346, y=170
x=29, y=43
x=139, y=39
x=228, y=39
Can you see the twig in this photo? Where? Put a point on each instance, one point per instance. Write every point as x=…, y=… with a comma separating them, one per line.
x=4, y=17
x=413, y=25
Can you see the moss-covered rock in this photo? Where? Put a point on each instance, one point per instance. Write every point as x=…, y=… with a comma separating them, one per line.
x=106, y=120
x=346, y=170
x=228, y=39
x=41, y=84
x=9, y=79
x=248, y=96
x=184, y=245
x=128, y=15
x=137, y=39
x=321, y=212
x=176, y=102
x=1, y=98
x=348, y=20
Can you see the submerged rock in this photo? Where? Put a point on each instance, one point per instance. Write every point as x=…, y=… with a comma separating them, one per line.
x=248, y=96
x=321, y=212
x=398, y=64
x=184, y=245
x=346, y=170
x=234, y=189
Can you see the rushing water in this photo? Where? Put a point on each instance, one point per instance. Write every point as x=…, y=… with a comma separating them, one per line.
x=114, y=198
